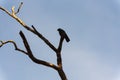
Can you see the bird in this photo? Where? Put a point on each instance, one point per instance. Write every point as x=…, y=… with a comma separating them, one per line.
x=63, y=34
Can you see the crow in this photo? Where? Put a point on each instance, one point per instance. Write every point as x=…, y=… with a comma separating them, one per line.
x=63, y=34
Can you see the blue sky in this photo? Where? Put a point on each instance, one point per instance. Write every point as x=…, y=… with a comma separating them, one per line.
x=92, y=25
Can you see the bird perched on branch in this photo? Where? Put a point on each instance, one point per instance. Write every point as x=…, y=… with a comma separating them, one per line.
x=63, y=34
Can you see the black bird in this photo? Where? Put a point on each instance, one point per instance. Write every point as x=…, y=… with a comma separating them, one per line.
x=63, y=34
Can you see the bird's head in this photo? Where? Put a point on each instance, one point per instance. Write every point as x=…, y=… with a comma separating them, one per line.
x=58, y=29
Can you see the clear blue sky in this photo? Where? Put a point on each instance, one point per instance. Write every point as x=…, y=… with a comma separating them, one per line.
x=92, y=25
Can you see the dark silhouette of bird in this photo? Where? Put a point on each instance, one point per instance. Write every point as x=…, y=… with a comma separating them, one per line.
x=63, y=34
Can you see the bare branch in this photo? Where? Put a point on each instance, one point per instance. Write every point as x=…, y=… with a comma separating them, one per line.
x=60, y=44
x=19, y=7
x=31, y=56
x=13, y=15
x=13, y=10
x=6, y=11
x=28, y=28
x=44, y=39
x=59, y=58
x=29, y=52
x=16, y=48
x=62, y=74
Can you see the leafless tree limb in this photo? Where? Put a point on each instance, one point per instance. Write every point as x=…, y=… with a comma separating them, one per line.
x=58, y=53
x=62, y=74
x=13, y=15
x=60, y=44
x=44, y=39
x=16, y=48
x=59, y=59
x=30, y=54
x=19, y=7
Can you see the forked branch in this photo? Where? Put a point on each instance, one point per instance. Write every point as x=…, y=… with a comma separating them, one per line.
x=15, y=45
x=33, y=30
x=31, y=56
x=26, y=44
x=19, y=7
x=29, y=53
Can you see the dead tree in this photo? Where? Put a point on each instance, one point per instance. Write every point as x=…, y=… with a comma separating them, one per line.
x=29, y=52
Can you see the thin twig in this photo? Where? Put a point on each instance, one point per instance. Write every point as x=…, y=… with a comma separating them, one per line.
x=16, y=48
x=13, y=15
x=19, y=7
